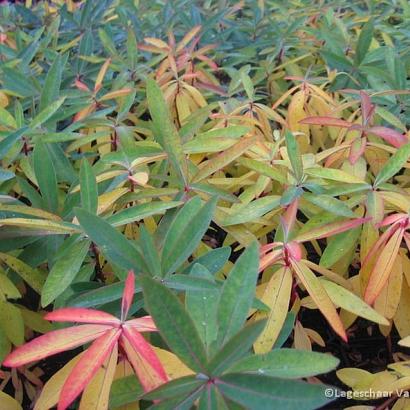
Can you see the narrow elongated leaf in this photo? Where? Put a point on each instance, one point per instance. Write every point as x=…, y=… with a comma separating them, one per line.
x=391, y=136
x=257, y=392
x=330, y=204
x=128, y=295
x=82, y=315
x=276, y=296
x=328, y=121
x=363, y=43
x=87, y=367
x=333, y=175
x=237, y=347
x=97, y=393
x=175, y=324
x=294, y=155
x=287, y=364
x=185, y=233
x=383, y=267
x=143, y=359
x=237, y=294
x=64, y=271
x=46, y=176
x=89, y=189
x=216, y=163
x=343, y=298
x=46, y=113
x=141, y=211
x=165, y=131
x=52, y=83
x=253, y=210
x=54, y=342
x=114, y=246
x=318, y=293
x=393, y=165
x=8, y=402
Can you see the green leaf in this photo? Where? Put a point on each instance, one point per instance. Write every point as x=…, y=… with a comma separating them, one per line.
x=341, y=297
x=213, y=261
x=364, y=41
x=46, y=176
x=174, y=388
x=263, y=169
x=286, y=330
x=165, y=132
x=330, y=204
x=256, y=392
x=237, y=347
x=46, y=113
x=7, y=142
x=124, y=391
x=238, y=293
x=294, y=155
x=253, y=210
x=393, y=165
x=141, y=211
x=185, y=233
x=51, y=88
x=113, y=245
x=150, y=252
x=339, y=246
x=68, y=263
x=202, y=306
x=174, y=324
x=287, y=364
x=89, y=188
x=186, y=282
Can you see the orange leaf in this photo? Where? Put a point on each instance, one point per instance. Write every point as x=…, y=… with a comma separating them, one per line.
x=128, y=295
x=82, y=315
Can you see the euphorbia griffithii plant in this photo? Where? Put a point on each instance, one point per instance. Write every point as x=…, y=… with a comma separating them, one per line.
x=109, y=333
x=358, y=145
x=288, y=255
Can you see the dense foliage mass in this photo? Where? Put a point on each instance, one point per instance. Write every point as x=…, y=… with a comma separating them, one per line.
x=215, y=194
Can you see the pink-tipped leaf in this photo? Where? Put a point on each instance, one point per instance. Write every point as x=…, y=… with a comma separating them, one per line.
x=323, y=120
x=142, y=324
x=54, y=342
x=86, y=367
x=82, y=315
x=391, y=136
x=143, y=359
x=128, y=295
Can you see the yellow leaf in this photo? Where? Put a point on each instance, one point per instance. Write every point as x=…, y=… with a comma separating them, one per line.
x=276, y=295
x=318, y=293
x=8, y=403
x=301, y=338
x=97, y=393
x=51, y=391
x=357, y=379
x=174, y=368
x=101, y=74
x=296, y=113
x=402, y=317
x=107, y=199
x=115, y=94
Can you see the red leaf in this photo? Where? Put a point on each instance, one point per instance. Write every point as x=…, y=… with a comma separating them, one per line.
x=330, y=121
x=54, y=342
x=128, y=295
x=357, y=149
x=142, y=324
x=391, y=136
x=86, y=367
x=367, y=107
x=82, y=315
x=289, y=217
x=143, y=359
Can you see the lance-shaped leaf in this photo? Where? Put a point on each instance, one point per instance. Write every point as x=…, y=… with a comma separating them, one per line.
x=257, y=392
x=286, y=363
x=186, y=232
x=318, y=293
x=329, y=121
x=331, y=229
x=165, y=132
x=393, y=165
x=218, y=162
x=54, y=342
x=237, y=294
x=128, y=295
x=294, y=155
x=89, y=188
x=349, y=301
x=97, y=393
x=143, y=359
x=276, y=296
x=175, y=324
x=45, y=114
x=87, y=367
x=82, y=315
x=112, y=243
x=393, y=137
x=383, y=267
